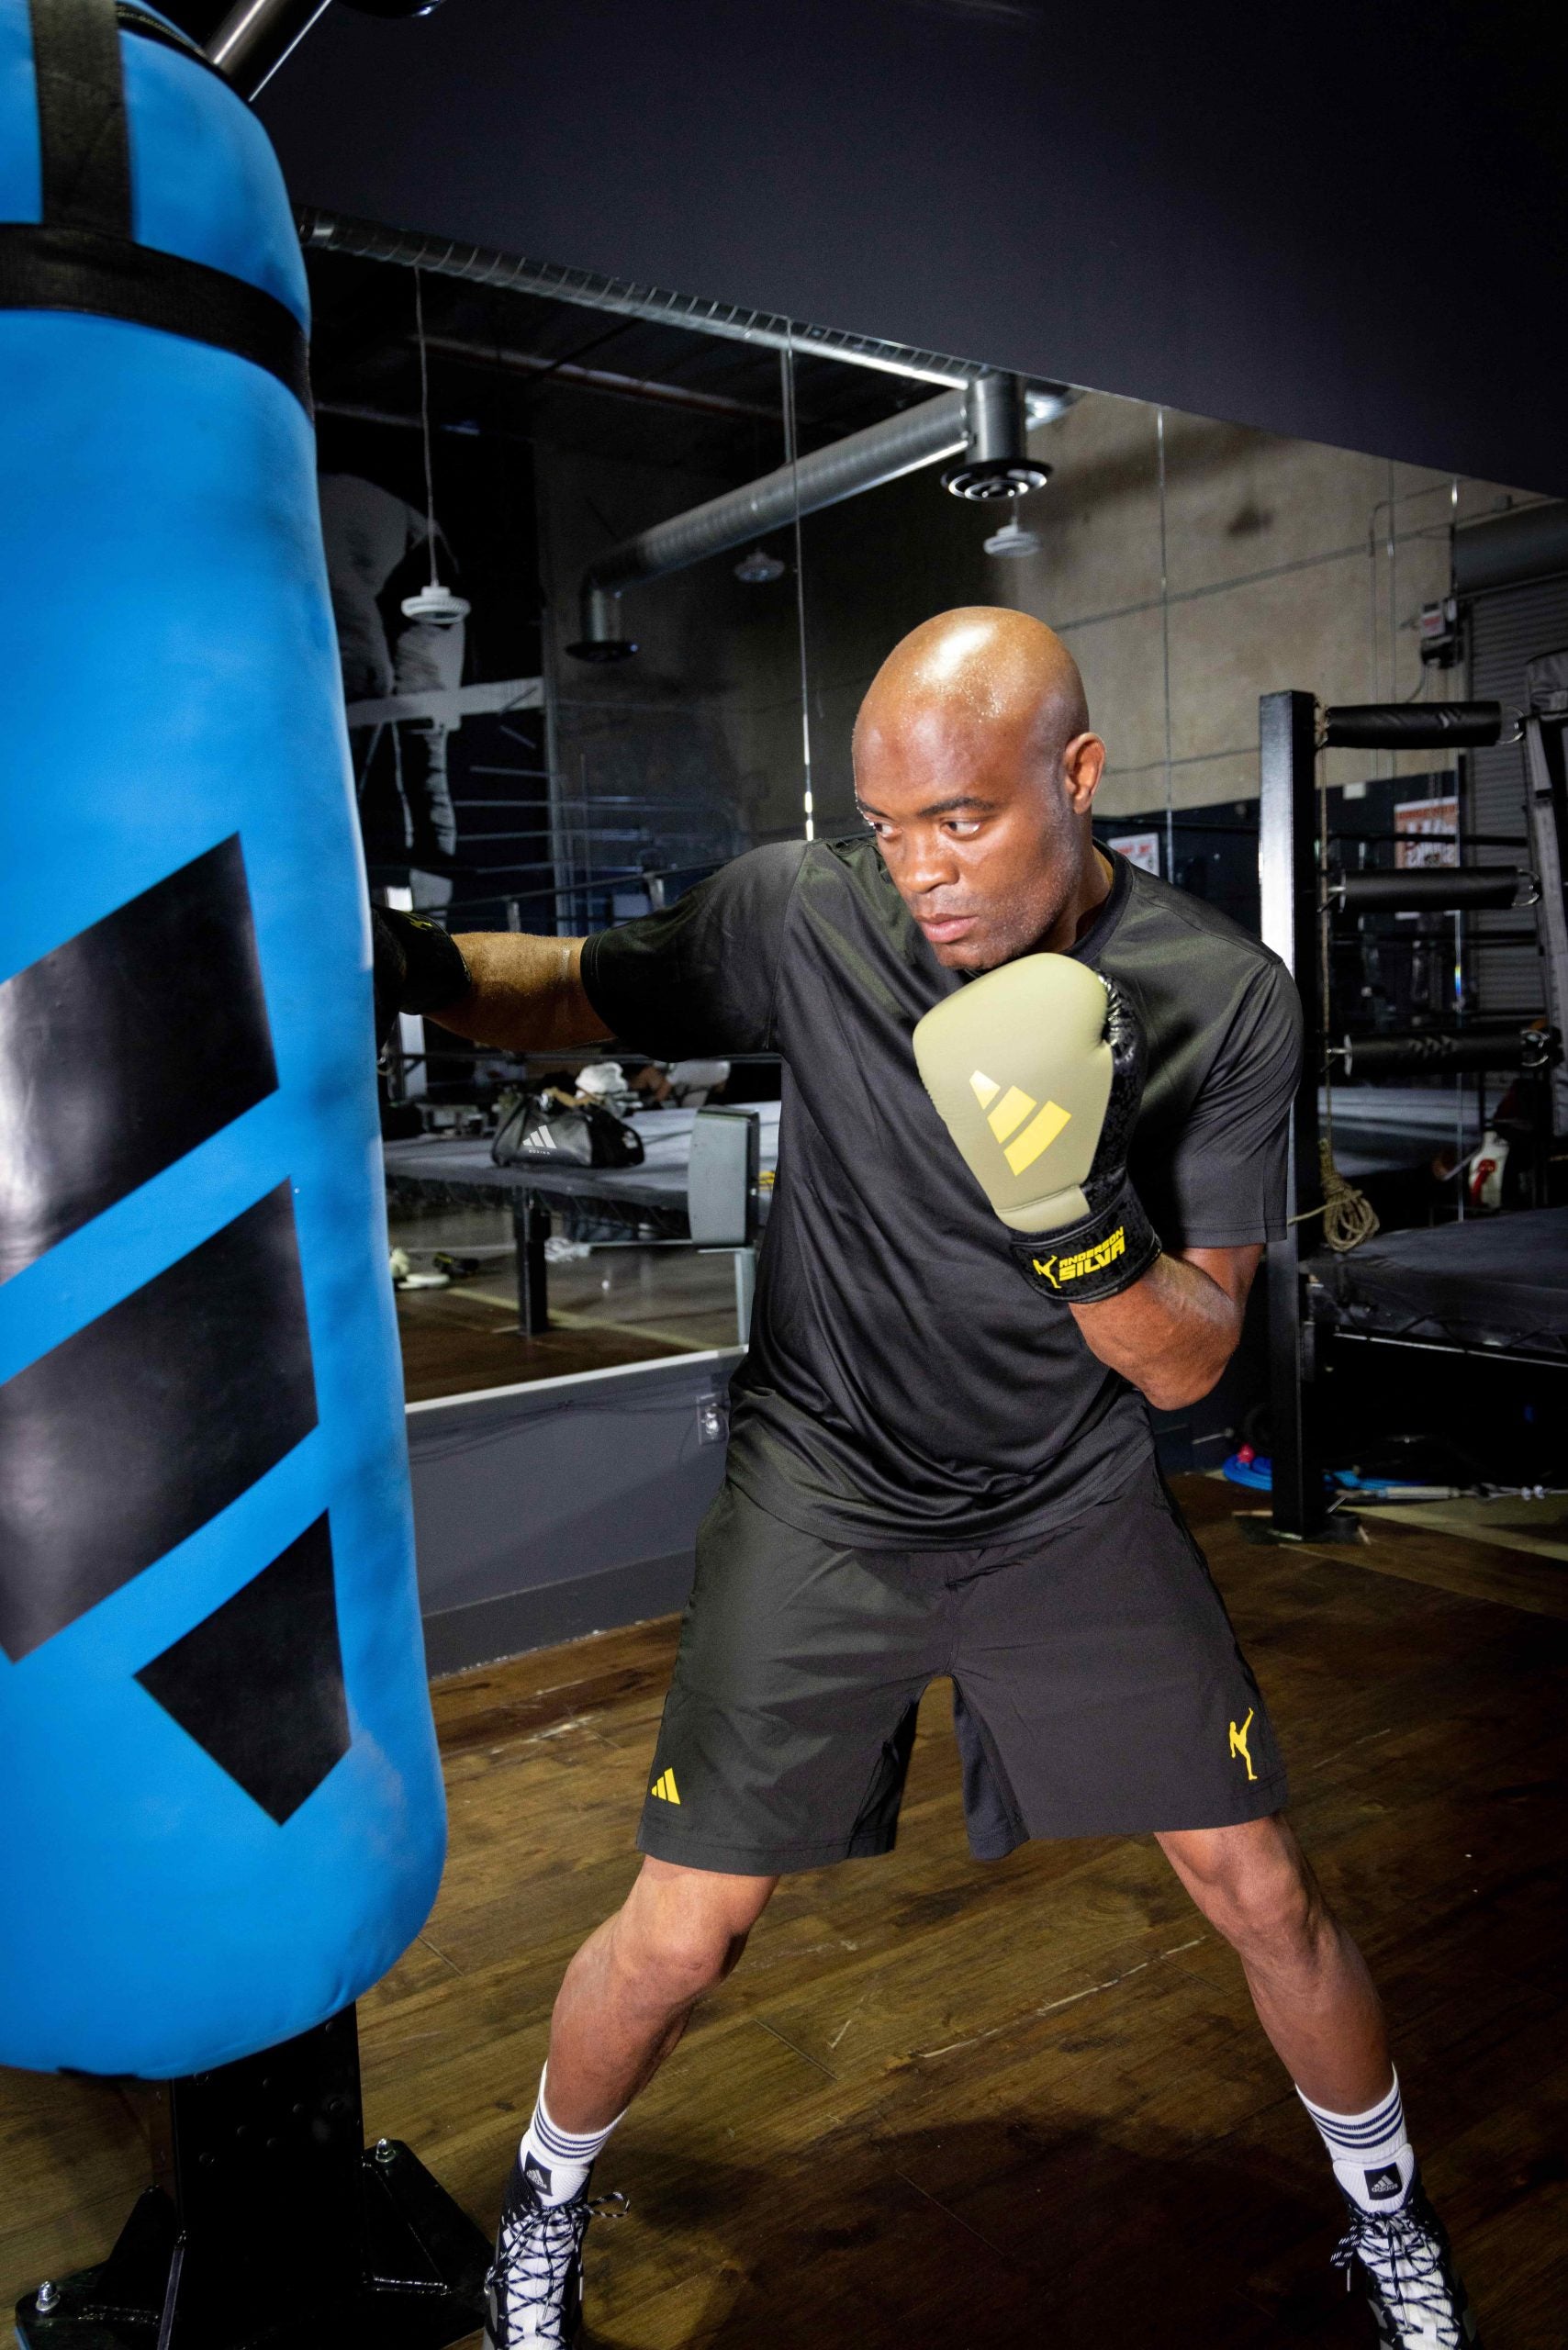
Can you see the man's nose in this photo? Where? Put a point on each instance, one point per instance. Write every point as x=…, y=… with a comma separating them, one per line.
x=929, y=862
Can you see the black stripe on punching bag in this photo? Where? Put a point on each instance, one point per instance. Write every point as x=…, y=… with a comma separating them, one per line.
x=127, y=1046
x=108, y=277
x=259, y=1684
x=82, y=139
x=133, y=1432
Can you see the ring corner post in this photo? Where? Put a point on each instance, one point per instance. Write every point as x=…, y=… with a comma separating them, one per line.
x=1287, y=875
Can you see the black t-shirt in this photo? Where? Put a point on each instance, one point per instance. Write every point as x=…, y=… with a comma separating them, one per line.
x=905, y=1388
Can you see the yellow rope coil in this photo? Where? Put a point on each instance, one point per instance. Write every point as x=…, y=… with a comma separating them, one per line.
x=1349, y=1216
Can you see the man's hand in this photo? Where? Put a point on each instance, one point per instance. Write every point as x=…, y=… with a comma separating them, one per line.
x=1037, y=1070
x=495, y=987
x=417, y=968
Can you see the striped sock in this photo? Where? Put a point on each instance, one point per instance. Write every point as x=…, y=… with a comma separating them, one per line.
x=560, y=2160
x=1370, y=2150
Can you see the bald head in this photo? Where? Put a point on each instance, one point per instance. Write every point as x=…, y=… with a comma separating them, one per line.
x=975, y=767
x=979, y=669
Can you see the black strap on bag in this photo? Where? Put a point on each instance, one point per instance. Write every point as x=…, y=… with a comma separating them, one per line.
x=82, y=257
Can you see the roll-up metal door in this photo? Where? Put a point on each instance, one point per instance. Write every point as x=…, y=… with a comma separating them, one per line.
x=1508, y=626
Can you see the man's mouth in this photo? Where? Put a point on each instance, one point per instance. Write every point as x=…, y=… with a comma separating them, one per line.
x=943, y=929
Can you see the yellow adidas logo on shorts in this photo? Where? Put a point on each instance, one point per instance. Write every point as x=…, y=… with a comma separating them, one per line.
x=664, y=1786
x=1015, y=1107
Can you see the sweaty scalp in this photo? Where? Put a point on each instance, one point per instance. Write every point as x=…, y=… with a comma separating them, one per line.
x=980, y=668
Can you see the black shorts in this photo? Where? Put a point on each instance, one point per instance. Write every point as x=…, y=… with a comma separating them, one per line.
x=1098, y=1689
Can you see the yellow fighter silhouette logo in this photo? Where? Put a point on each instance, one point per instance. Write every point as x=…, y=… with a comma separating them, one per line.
x=1238, y=1742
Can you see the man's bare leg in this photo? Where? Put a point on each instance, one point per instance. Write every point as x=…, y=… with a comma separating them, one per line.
x=1309, y=1982
x=631, y=1989
x=622, y=2007
x=1314, y=1999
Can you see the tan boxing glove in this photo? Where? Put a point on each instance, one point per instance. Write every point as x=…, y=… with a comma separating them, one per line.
x=1037, y=1072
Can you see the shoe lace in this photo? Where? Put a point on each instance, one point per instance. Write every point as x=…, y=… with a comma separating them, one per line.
x=1405, y=2260
x=538, y=2249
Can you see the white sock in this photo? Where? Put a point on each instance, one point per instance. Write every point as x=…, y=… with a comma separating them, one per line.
x=1370, y=2152
x=558, y=2162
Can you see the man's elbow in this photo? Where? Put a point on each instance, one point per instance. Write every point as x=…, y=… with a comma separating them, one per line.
x=1179, y=1387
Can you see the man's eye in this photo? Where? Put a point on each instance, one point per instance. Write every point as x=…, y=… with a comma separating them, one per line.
x=964, y=828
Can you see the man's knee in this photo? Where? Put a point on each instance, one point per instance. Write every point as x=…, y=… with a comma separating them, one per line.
x=1254, y=1885
x=682, y=1931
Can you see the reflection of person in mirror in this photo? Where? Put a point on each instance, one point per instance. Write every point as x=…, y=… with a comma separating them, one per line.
x=377, y=553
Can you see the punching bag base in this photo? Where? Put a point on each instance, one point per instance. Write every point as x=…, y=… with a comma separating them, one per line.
x=278, y=2230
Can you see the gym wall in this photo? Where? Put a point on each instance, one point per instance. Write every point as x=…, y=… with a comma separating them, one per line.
x=1279, y=568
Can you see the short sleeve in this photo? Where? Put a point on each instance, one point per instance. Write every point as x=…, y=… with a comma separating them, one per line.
x=1223, y=1183
x=700, y=978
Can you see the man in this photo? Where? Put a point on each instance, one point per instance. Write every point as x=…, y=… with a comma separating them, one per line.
x=377, y=546
x=936, y=1466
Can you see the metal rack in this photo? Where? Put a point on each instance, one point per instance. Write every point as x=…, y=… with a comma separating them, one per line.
x=1301, y=895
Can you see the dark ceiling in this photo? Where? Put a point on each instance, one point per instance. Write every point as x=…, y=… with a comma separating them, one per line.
x=1343, y=223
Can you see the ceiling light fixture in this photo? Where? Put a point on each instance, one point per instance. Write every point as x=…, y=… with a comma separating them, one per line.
x=997, y=462
x=434, y=605
x=758, y=568
x=1013, y=539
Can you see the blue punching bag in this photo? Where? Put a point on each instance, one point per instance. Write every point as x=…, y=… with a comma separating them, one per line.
x=220, y=1809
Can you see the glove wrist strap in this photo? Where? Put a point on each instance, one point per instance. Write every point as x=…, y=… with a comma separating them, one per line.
x=434, y=973
x=1096, y=1259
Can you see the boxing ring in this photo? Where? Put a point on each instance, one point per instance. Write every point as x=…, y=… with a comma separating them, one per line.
x=1498, y=1288
x=647, y=1205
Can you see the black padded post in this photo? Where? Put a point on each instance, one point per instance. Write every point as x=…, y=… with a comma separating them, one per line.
x=1287, y=872
x=271, y=2227
x=1412, y=725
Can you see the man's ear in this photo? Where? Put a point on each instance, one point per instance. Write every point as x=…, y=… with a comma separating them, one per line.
x=1082, y=765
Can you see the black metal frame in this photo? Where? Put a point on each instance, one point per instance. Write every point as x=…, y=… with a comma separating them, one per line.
x=271, y=2227
x=1287, y=875
x=1293, y=880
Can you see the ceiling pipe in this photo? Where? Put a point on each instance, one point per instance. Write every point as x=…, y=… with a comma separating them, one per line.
x=986, y=421
x=997, y=462
x=332, y=232
x=257, y=35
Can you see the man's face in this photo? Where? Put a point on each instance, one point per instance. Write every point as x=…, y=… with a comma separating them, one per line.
x=978, y=829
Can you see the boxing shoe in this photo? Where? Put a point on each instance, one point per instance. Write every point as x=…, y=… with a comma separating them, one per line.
x=533, y=2291
x=1404, y=2264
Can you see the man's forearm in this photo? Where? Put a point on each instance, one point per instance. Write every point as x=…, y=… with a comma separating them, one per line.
x=527, y=993
x=1173, y=1332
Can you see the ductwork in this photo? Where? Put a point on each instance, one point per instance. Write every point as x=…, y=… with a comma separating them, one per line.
x=1531, y=542
x=332, y=232
x=983, y=416
x=986, y=421
x=997, y=462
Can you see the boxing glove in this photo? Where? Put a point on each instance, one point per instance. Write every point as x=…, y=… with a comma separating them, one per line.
x=1037, y=1072
x=417, y=968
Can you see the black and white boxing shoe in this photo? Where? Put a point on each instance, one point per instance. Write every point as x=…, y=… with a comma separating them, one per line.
x=1403, y=2263
x=533, y=2292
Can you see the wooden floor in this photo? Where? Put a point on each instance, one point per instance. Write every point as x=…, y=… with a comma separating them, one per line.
x=456, y=1343
x=607, y=1308
x=1011, y=2106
